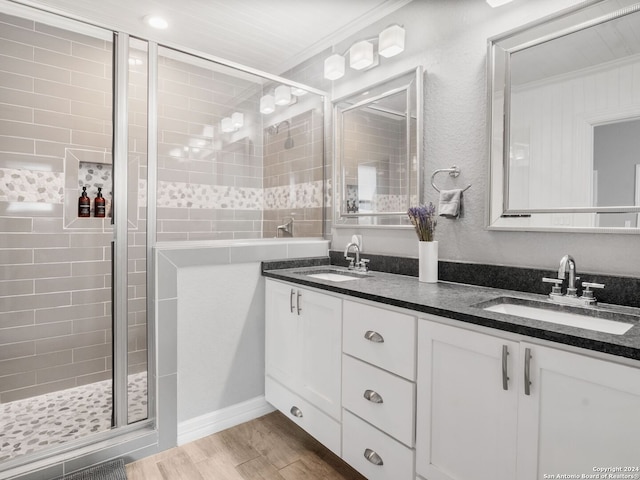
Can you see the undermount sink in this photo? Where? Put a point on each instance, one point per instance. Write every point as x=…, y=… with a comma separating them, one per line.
x=335, y=275
x=587, y=318
x=332, y=277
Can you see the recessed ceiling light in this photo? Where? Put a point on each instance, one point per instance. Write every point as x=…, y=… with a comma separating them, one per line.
x=156, y=21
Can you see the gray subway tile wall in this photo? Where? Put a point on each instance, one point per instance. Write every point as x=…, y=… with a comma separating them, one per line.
x=55, y=273
x=236, y=185
x=55, y=269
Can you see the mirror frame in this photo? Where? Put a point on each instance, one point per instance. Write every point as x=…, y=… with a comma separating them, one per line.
x=499, y=50
x=340, y=215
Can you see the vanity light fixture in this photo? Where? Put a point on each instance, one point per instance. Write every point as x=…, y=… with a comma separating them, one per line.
x=363, y=54
x=267, y=104
x=391, y=41
x=232, y=123
x=226, y=125
x=283, y=95
x=156, y=21
x=334, y=67
x=497, y=3
x=237, y=120
x=298, y=92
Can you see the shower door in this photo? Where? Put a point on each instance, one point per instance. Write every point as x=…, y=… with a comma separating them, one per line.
x=56, y=267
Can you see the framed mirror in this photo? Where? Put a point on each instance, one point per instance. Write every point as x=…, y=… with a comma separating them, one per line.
x=565, y=122
x=378, y=152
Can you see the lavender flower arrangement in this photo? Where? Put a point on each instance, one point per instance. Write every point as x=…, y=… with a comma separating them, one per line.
x=424, y=219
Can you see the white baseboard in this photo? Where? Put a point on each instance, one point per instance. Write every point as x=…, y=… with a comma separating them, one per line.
x=228, y=417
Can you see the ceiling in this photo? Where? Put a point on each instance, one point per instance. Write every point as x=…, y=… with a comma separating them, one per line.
x=269, y=35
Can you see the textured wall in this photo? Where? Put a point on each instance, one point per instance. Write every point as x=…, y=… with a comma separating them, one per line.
x=450, y=40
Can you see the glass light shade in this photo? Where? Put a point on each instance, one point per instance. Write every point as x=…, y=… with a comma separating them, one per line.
x=237, y=120
x=391, y=41
x=334, y=67
x=283, y=95
x=267, y=104
x=226, y=125
x=361, y=55
x=298, y=92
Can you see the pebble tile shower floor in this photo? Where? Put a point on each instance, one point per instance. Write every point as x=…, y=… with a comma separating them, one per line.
x=54, y=418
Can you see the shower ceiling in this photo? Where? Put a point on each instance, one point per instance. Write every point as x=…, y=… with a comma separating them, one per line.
x=270, y=35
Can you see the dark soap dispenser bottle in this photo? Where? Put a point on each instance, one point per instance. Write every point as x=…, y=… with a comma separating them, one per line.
x=100, y=205
x=84, y=204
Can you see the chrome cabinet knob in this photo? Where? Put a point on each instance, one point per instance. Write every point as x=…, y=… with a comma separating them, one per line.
x=373, y=457
x=372, y=396
x=374, y=336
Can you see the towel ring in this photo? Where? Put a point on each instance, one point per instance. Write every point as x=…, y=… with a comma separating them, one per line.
x=454, y=171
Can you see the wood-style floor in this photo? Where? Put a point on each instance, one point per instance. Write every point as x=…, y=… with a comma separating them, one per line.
x=270, y=448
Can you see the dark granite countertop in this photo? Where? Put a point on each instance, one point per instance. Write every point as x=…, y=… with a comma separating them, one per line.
x=457, y=301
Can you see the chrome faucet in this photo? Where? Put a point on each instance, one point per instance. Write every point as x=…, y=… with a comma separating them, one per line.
x=568, y=262
x=286, y=229
x=568, y=266
x=357, y=264
x=352, y=260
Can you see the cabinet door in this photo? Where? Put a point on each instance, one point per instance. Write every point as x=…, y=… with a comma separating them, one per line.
x=321, y=350
x=580, y=413
x=282, y=334
x=466, y=420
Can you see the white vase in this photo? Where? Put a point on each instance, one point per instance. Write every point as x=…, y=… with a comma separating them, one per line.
x=428, y=261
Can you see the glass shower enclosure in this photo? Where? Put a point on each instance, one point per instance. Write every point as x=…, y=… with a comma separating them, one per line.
x=65, y=313
x=183, y=147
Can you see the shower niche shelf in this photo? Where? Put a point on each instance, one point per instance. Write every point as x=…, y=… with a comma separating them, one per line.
x=94, y=169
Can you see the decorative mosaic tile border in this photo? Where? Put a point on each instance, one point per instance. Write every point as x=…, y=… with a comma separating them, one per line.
x=193, y=195
x=302, y=195
x=48, y=187
x=389, y=203
x=31, y=186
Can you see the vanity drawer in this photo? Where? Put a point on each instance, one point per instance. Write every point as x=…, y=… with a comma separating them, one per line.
x=381, y=337
x=319, y=425
x=395, y=414
x=359, y=439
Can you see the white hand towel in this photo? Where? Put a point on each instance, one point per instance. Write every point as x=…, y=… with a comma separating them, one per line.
x=450, y=205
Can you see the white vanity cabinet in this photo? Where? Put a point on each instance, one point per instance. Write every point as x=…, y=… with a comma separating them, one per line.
x=561, y=412
x=303, y=338
x=378, y=391
x=578, y=413
x=466, y=418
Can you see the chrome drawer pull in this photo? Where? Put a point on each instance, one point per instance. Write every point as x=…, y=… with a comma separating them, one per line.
x=373, y=397
x=293, y=292
x=296, y=412
x=373, y=457
x=527, y=371
x=373, y=336
x=299, y=308
x=505, y=377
